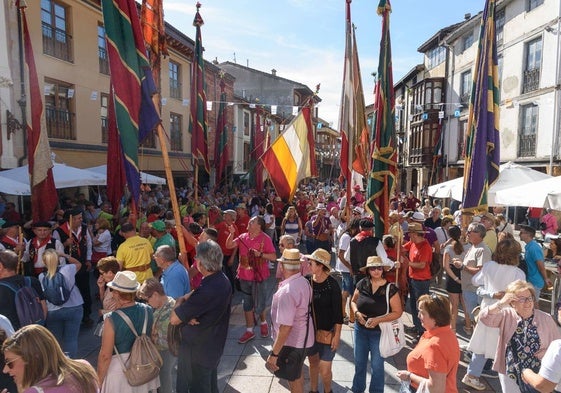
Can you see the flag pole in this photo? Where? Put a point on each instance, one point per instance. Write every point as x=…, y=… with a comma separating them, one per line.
x=171, y=184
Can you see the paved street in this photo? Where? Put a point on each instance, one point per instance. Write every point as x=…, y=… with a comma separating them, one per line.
x=242, y=367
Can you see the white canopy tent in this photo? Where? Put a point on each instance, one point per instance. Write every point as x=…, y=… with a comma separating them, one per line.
x=510, y=175
x=543, y=193
x=145, y=178
x=64, y=176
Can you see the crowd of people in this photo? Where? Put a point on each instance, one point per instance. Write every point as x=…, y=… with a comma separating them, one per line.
x=327, y=268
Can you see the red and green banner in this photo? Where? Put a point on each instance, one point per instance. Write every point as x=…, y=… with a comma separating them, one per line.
x=382, y=179
x=44, y=197
x=482, y=139
x=133, y=85
x=198, y=122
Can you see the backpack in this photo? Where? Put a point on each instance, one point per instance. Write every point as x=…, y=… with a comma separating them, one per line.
x=27, y=303
x=435, y=264
x=522, y=265
x=55, y=289
x=144, y=362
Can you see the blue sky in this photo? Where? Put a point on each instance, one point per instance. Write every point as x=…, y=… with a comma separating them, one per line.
x=304, y=39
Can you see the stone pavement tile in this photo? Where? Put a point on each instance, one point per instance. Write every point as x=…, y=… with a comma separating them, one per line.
x=243, y=384
x=251, y=366
x=226, y=369
x=258, y=347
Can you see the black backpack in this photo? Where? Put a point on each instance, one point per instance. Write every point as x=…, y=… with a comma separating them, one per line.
x=55, y=289
x=27, y=303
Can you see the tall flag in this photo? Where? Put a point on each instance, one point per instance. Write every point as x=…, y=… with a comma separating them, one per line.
x=438, y=143
x=288, y=158
x=198, y=121
x=382, y=179
x=153, y=30
x=352, y=118
x=258, y=149
x=133, y=85
x=221, y=141
x=117, y=180
x=482, y=139
x=44, y=197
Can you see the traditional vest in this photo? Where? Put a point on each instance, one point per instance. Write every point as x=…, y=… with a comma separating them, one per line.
x=79, y=247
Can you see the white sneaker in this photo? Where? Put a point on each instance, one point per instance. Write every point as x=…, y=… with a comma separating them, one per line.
x=474, y=382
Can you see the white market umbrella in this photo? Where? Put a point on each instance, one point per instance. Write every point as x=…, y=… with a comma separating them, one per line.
x=510, y=175
x=543, y=193
x=64, y=176
x=145, y=178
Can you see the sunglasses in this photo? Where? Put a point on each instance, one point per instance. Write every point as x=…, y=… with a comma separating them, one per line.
x=9, y=363
x=376, y=268
x=436, y=299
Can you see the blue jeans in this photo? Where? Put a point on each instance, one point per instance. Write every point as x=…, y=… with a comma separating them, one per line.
x=417, y=289
x=367, y=341
x=64, y=324
x=472, y=300
x=168, y=372
x=476, y=365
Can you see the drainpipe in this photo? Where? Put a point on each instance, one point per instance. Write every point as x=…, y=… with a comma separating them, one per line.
x=450, y=73
x=22, y=102
x=555, y=131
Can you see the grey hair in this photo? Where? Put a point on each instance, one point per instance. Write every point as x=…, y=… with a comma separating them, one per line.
x=209, y=255
x=289, y=240
x=166, y=252
x=479, y=228
x=291, y=266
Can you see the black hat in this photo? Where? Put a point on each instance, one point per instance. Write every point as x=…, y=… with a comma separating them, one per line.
x=41, y=224
x=9, y=224
x=366, y=223
x=72, y=212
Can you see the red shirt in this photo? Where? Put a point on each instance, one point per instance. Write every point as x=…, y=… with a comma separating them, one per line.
x=419, y=252
x=223, y=232
x=242, y=222
x=438, y=350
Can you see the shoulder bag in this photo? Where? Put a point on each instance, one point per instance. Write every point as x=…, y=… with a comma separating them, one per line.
x=392, y=338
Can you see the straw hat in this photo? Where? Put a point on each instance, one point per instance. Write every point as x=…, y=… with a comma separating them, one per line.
x=321, y=256
x=488, y=216
x=290, y=256
x=124, y=282
x=415, y=227
x=372, y=261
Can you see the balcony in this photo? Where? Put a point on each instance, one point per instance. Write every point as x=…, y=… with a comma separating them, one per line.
x=57, y=43
x=527, y=145
x=103, y=61
x=60, y=123
x=531, y=80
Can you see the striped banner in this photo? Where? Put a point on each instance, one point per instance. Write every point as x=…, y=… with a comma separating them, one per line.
x=132, y=81
x=481, y=168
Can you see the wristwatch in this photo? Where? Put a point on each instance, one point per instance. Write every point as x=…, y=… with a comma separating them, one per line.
x=274, y=354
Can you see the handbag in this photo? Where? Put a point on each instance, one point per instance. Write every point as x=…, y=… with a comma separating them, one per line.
x=290, y=362
x=392, y=339
x=174, y=338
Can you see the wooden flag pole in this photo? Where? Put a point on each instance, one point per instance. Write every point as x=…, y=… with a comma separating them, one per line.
x=171, y=186
x=196, y=182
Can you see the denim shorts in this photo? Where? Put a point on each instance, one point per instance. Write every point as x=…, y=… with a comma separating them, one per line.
x=324, y=351
x=347, y=282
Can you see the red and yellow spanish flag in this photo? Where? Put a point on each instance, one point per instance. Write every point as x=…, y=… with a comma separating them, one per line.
x=288, y=159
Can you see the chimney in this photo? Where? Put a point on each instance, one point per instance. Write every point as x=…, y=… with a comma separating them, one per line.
x=274, y=72
x=467, y=16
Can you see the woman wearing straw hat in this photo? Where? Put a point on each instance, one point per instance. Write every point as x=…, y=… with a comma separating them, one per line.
x=369, y=305
x=327, y=312
x=116, y=334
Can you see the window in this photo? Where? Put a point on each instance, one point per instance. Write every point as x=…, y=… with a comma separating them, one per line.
x=533, y=4
x=59, y=102
x=467, y=41
x=462, y=131
x=246, y=125
x=532, y=65
x=500, y=26
x=104, y=114
x=465, y=87
x=176, y=135
x=57, y=41
x=528, y=130
x=500, y=64
x=174, y=80
x=436, y=56
x=102, y=51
